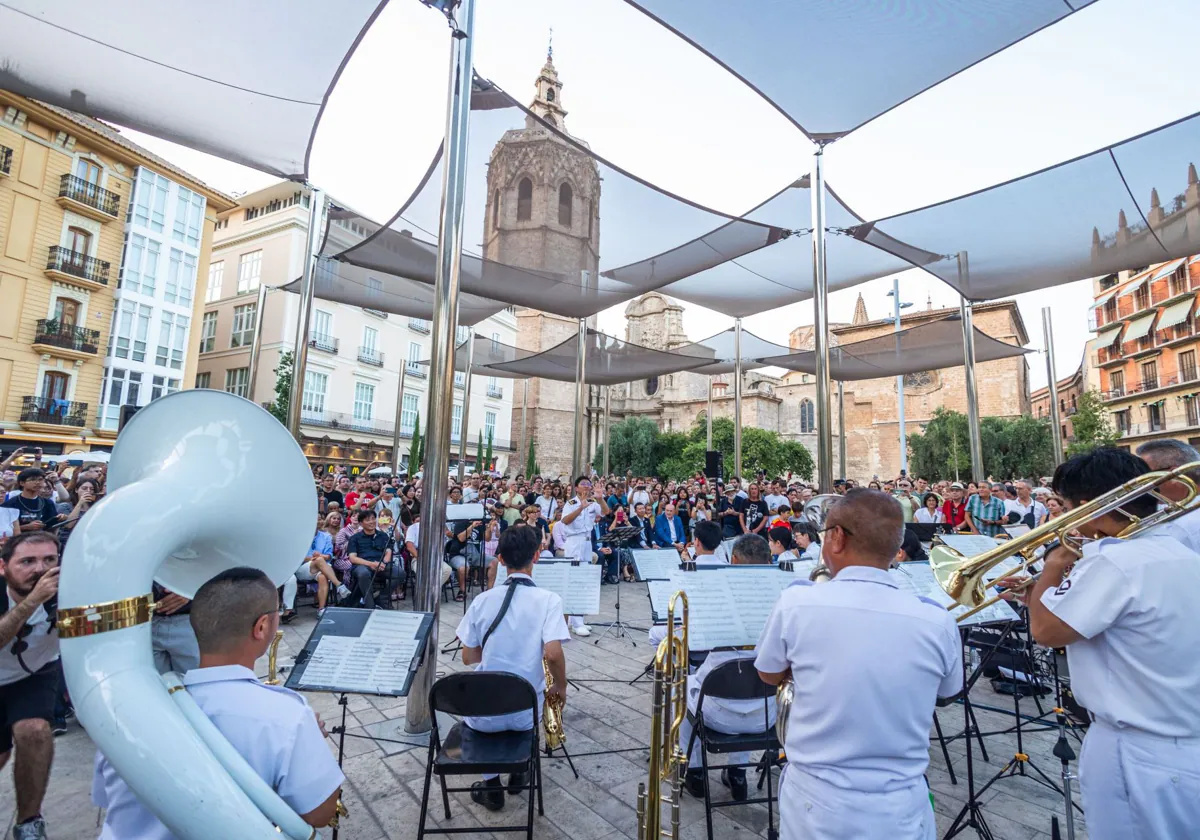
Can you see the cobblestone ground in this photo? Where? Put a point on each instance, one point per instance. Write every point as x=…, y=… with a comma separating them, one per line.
x=604, y=712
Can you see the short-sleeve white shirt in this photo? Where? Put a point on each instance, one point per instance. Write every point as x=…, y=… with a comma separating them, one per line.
x=1015, y=506
x=270, y=726
x=890, y=654
x=581, y=524
x=1134, y=602
x=413, y=534
x=1186, y=529
x=773, y=501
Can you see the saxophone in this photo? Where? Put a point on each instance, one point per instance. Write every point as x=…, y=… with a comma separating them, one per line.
x=272, y=657
x=552, y=709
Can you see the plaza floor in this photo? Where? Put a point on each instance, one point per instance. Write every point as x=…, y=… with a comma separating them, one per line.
x=603, y=712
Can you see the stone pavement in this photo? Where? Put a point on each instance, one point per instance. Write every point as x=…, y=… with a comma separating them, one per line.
x=603, y=712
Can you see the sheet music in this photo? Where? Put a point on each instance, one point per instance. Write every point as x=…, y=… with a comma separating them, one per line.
x=714, y=617
x=655, y=563
x=370, y=654
x=969, y=545
x=918, y=579
x=322, y=666
x=578, y=586
x=660, y=598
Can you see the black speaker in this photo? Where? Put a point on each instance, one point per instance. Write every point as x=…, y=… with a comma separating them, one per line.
x=127, y=412
x=714, y=464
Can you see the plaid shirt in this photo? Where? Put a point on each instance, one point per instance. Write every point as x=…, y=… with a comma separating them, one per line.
x=993, y=508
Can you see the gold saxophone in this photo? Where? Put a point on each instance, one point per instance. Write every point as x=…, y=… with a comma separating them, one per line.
x=272, y=657
x=552, y=709
x=670, y=708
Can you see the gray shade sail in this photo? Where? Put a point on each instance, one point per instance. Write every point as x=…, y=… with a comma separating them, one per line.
x=181, y=71
x=720, y=348
x=863, y=58
x=932, y=346
x=1126, y=206
x=488, y=352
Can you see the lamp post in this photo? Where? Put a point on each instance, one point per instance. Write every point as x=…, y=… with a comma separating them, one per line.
x=897, y=305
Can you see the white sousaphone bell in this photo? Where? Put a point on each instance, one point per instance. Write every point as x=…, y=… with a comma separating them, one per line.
x=179, y=510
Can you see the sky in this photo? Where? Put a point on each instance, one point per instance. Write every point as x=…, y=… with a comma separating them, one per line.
x=649, y=102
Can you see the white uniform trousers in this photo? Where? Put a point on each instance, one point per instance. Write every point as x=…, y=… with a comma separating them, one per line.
x=812, y=809
x=1138, y=786
x=721, y=719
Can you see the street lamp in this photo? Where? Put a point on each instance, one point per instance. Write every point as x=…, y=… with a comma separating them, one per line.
x=894, y=294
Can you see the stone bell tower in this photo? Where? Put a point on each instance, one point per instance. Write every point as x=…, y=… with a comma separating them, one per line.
x=543, y=213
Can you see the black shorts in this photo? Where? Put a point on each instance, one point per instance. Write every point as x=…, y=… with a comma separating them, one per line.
x=27, y=699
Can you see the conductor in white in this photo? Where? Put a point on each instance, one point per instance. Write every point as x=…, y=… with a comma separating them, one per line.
x=1126, y=612
x=868, y=663
x=579, y=518
x=235, y=616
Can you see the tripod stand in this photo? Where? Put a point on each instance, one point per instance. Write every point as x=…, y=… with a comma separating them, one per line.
x=1063, y=752
x=618, y=628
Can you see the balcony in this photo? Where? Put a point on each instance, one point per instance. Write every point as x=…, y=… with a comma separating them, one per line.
x=370, y=356
x=65, y=340
x=76, y=268
x=5, y=160
x=418, y=325
x=327, y=343
x=495, y=392
x=44, y=411
x=88, y=199
x=346, y=422
x=416, y=370
x=460, y=381
x=1109, y=356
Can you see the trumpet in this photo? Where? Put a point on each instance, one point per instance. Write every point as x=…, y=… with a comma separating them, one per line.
x=552, y=708
x=668, y=712
x=966, y=580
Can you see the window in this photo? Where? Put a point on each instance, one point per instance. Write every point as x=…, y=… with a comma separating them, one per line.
x=131, y=327
x=1187, y=366
x=489, y=425
x=460, y=379
x=493, y=386
x=364, y=402
x=1193, y=411
x=549, y=94
x=524, y=200
x=203, y=379
x=408, y=414
x=1122, y=418
x=237, y=381
x=208, y=332
x=120, y=388
x=249, y=270
x=216, y=275
x=161, y=386
x=370, y=341
x=79, y=241
x=456, y=424
x=322, y=324
x=88, y=171
x=495, y=209
x=461, y=334
x=66, y=312
x=313, y=400
x=808, y=423
x=55, y=385
x=1149, y=376
x=150, y=202
x=140, y=271
x=414, y=357
x=181, y=278
x=564, y=205
x=242, y=334
x=189, y=216
x=1116, y=381
x=172, y=341
x=495, y=342
x=1155, y=416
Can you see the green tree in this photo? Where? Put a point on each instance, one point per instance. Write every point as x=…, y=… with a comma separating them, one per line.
x=283, y=387
x=531, y=465
x=479, y=467
x=761, y=450
x=487, y=455
x=633, y=445
x=414, y=449
x=943, y=449
x=1012, y=447
x=1091, y=425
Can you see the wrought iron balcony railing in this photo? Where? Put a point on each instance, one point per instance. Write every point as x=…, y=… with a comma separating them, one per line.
x=370, y=356
x=77, y=265
x=53, y=411
x=323, y=342
x=67, y=336
x=93, y=195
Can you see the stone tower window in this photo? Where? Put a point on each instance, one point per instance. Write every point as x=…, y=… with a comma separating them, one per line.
x=807, y=417
x=550, y=119
x=564, y=205
x=495, y=209
x=524, y=200
x=550, y=94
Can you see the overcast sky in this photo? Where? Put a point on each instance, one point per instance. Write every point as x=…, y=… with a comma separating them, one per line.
x=653, y=105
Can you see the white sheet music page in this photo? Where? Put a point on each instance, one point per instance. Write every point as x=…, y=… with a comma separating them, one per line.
x=969, y=545
x=578, y=586
x=714, y=620
x=655, y=563
x=918, y=579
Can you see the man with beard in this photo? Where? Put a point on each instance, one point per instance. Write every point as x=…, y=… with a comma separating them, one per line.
x=29, y=671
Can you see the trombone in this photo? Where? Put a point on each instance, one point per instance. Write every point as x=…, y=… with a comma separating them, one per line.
x=967, y=580
x=668, y=712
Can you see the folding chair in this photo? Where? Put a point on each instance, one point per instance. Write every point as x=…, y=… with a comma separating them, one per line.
x=736, y=680
x=469, y=752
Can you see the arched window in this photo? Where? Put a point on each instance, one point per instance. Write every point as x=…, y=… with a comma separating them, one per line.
x=808, y=422
x=495, y=209
x=524, y=200
x=549, y=94
x=564, y=205
x=550, y=119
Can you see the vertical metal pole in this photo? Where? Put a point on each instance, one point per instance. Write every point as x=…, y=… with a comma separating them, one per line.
x=308, y=283
x=399, y=418
x=1055, y=418
x=841, y=430
x=965, y=311
x=821, y=324
x=256, y=344
x=441, y=370
x=607, y=407
x=524, y=429
x=737, y=398
x=580, y=403
x=900, y=380
x=708, y=446
x=464, y=433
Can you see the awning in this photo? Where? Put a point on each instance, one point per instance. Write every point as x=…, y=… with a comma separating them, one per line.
x=1105, y=298
x=1176, y=313
x=1166, y=270
x=1108, y=336
x=1140, y=327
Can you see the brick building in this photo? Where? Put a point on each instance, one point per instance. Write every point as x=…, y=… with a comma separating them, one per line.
x=1069, y=390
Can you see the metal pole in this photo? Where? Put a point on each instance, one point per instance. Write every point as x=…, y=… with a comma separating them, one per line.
x=900, y=381
x=464, y=433
x=821, y=324
x=607, y=407
x=316, y=219
x=524, y=428
x=965, y=311
x=841, y=430
x=737, y=398
x=708, y=446
x=1055, y=419
x=441, y=369
x=256, y=344
x=580, y=402
x=399, y=418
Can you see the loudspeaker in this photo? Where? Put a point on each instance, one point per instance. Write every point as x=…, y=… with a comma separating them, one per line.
x=714, y=464
x=127, y=412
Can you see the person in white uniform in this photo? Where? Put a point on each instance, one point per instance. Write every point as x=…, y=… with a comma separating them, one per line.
x=1168, y=454
x=869, y=662
x=513, y=627
x=235, y=616
x=578, y=519
x=1126, y=612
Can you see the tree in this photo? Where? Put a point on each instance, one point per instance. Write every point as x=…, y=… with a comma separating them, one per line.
x=479, y=453
x=1012, y=447
x=633, y=445
x=942, y=450
x=1091, y=424
x=487, y=455
x=414, y=448
x=761, y=450
x=283, y=387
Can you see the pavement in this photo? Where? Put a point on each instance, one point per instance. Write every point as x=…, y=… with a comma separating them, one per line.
x=604, y=712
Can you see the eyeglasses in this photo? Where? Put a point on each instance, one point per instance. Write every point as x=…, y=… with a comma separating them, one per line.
x=845, y=530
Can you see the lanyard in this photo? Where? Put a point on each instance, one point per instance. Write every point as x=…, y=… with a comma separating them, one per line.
x=512, y=583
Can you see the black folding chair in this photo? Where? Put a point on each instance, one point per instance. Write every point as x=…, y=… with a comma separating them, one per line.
x=736, y=680
x=467, y=752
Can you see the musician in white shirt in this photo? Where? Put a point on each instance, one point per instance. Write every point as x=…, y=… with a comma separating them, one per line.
x=1125, y=611
x=578, y=519
x=1168, y=454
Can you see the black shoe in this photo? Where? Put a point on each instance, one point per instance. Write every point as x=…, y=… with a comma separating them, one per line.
x=611, y=579
x=59, y=727
x=695, y=782
x=489, y=794
x=517, y=782
x=735, y=780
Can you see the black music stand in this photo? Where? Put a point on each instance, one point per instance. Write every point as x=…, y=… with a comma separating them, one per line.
x=618, y=628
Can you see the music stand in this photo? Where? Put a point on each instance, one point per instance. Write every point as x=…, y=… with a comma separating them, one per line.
x=618, y=628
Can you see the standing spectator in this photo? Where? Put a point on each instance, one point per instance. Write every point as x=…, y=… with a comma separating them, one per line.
x=361, y=495
x=775, y=496
x=369, y=552
x=985, y=513
x=908, y=504
x=1054, y=506
x=34, y=511
x=930, y=512
x=754, y=512
x=639, y=495
x=1029, y=510
x=954, y=509
x=729, y=514
x=388, y=500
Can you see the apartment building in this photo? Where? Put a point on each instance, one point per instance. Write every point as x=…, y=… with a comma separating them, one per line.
x=1069, y=390
x=101, y=242
x=355, y=355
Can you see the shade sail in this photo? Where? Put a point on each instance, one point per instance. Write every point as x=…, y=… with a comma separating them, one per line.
x=1108, y=336
x=488, y=352
x=1139, y=328
x=1176, y=313
x=1091, y=216
x=190, y=73
x=862, y=58
x=721, y=348
x=932, y=346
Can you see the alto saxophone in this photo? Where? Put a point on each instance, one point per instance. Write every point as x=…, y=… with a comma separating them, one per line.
x=552, y=709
